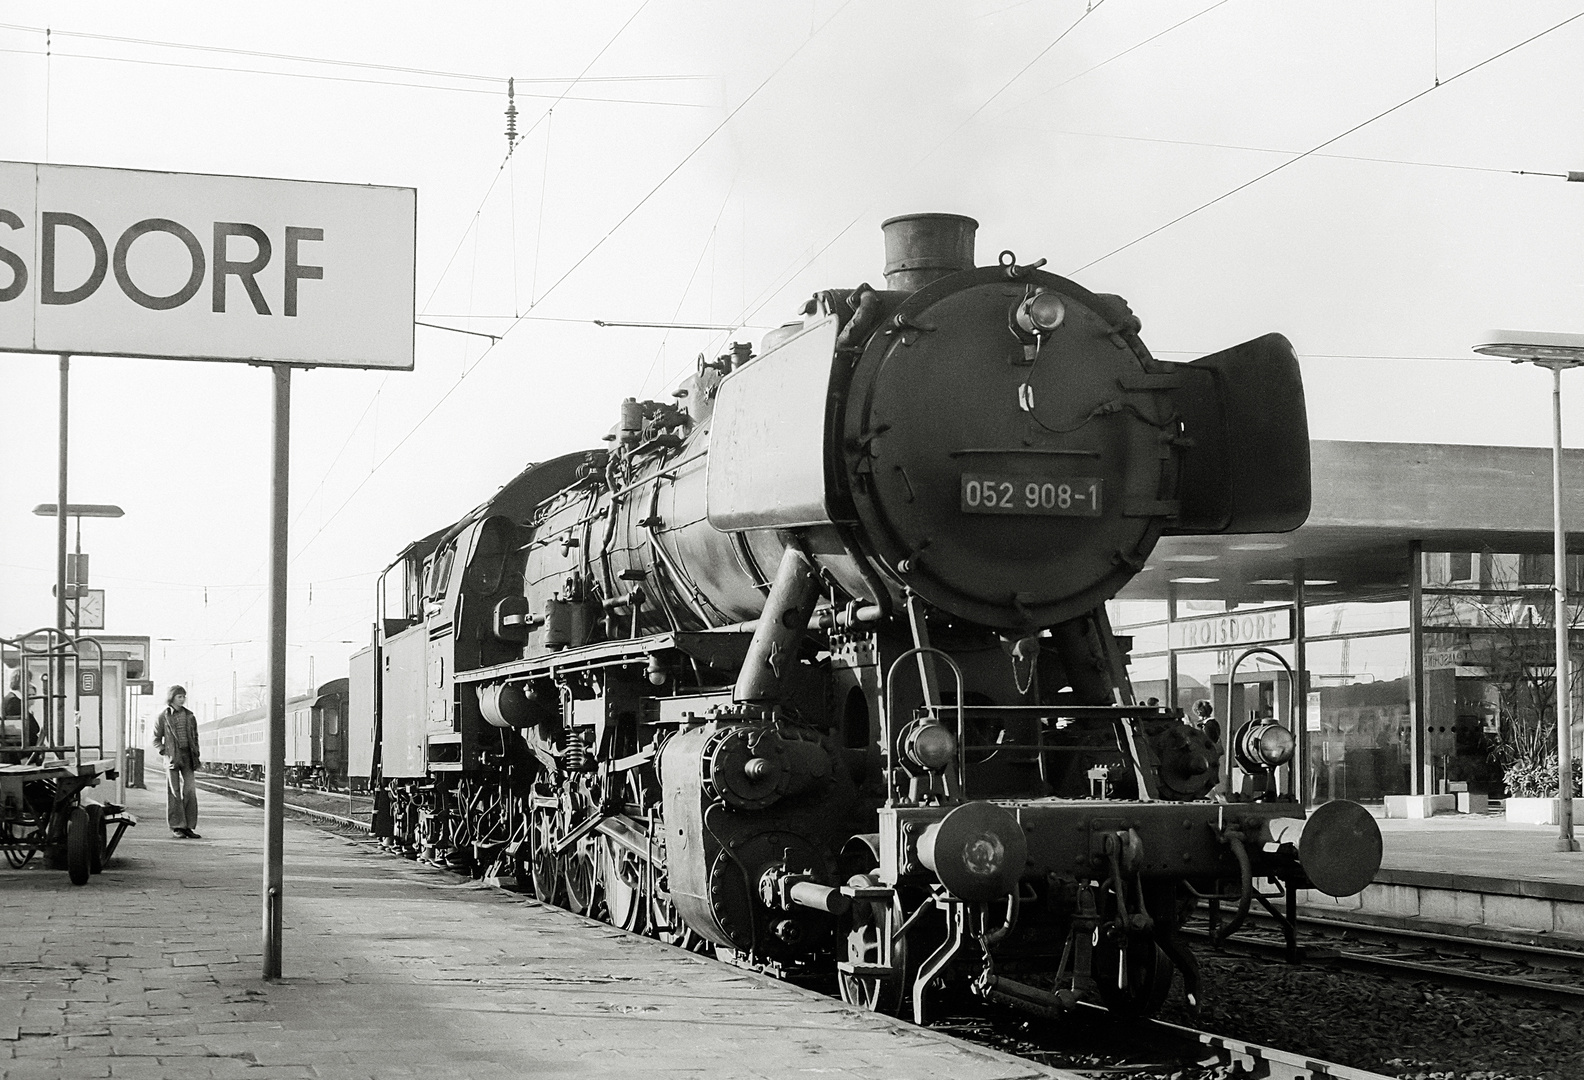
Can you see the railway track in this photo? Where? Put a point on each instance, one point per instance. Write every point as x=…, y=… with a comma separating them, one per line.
x=257, y=798
x=1091, y=1043
x=1088, y=1047
x=1528, y=972
x=1157, y=1050
x=1253, y=1060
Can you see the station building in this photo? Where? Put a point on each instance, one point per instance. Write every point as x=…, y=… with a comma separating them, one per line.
x=1416, y=602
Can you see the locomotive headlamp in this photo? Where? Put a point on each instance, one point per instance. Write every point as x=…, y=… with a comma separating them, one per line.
x=1041, y=313
x=1262, y=745
x=930, y=746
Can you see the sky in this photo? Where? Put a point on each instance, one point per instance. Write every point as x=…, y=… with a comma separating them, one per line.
x=1347, y=174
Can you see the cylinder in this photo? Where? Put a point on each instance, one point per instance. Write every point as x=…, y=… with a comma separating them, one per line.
x=819, y=897
x=921, y=248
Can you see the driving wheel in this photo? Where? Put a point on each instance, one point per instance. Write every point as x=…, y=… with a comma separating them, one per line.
x=579, y=878
x=624, y=877
x=544, y=865
x=865, y=927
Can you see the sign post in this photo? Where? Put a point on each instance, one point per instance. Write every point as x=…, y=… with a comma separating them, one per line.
x=275, y=769
x=55, y=704
x=280, y=273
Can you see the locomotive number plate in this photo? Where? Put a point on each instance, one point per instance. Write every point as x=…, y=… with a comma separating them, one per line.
x=1074, y=496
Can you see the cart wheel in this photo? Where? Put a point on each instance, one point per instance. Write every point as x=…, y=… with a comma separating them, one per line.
x=78, y=842
x=96, y=839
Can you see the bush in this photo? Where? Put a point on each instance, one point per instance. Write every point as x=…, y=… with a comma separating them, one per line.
x=1527, y=778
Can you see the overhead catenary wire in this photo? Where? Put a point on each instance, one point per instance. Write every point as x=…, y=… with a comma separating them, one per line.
x=1370, y=159
x=517, y=317
x=687, y=288
x=352, y=79
x=799, y=264
x=576, y=265
x=1119, y=55
x=464, y=374
x=1333, y=139
x=544, y=117
x=340, y=61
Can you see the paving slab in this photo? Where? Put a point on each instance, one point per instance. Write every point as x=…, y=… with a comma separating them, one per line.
x=154, y=969
x=1480, y=849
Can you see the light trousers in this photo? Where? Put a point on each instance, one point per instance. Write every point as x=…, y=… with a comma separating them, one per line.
x=181, y=796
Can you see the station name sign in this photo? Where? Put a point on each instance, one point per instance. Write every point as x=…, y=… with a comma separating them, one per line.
x=120, y=262
x=1261, y=627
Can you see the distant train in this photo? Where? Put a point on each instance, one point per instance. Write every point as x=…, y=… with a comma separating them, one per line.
x=316, y=740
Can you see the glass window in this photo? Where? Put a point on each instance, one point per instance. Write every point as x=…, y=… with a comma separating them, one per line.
x=440, y=572
x=488, y=568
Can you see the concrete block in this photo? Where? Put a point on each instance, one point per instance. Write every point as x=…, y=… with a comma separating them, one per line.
x=1537, y=811
x=1473, y=802
x=1322, y=902
x=1451, y=906
x=1567, y=918
x=1419, y=806
x=1399, y=900
x=1524, y=912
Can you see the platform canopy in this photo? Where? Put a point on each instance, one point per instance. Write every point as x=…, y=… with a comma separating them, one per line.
x=1371, y=502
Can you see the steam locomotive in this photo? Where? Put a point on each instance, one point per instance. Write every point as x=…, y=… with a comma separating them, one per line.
x=810, y=664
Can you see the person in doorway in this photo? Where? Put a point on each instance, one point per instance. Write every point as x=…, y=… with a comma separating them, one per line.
x=176, y=738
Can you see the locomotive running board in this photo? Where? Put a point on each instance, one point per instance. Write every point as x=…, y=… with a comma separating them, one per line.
x=714, y=648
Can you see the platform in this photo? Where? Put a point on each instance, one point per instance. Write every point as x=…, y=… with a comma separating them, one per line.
x=1474, y=875
x=153, y=969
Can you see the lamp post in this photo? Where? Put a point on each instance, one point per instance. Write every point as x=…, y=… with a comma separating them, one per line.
x=1556, y=352
x=60, y=511
x=78, y=511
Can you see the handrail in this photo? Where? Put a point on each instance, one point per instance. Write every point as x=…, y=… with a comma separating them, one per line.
x=1294, y=775
x=886, y=726
x=57, y=646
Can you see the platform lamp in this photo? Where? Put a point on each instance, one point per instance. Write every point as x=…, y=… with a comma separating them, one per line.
x=60, y=514
x=1556, y=352
x=78, y=511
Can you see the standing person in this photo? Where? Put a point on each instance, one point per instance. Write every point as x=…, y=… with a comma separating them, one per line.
x=176, y=736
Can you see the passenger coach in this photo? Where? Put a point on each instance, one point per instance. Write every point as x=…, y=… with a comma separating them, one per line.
x=316, y=742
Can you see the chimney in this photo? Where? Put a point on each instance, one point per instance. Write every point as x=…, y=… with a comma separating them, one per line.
x=921, y=248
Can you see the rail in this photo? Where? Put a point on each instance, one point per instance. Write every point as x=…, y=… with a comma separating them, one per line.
x=1419, y=955
x=307, y=811
x=1252, y=1059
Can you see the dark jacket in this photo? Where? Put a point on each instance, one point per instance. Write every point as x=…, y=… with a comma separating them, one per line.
x=176, y=735
x=15, y=729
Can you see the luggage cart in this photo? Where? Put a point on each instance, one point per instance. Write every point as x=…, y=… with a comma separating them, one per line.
x=44, y=778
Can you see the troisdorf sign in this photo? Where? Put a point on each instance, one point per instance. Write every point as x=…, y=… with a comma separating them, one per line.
x=125, y=263
x=1260, y=627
